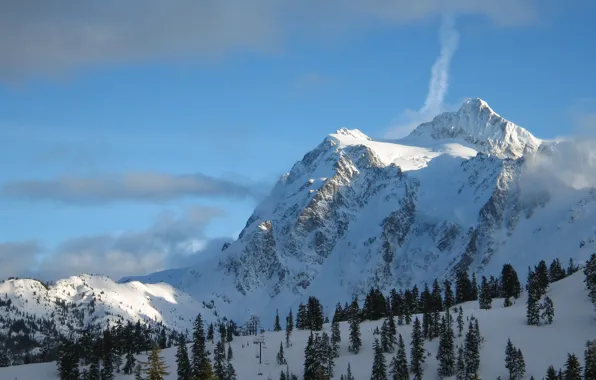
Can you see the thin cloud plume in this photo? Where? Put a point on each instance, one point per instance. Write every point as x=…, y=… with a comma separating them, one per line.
x=439, y=82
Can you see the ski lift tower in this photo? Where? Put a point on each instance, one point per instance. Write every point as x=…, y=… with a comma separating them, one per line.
x=260, y=340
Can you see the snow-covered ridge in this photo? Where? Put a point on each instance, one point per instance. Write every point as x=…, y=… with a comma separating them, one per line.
x=476, y=123
x=100, y=300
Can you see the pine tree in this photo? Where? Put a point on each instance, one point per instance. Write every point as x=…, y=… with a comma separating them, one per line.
x=417, y=350
x=541, y=277
x=68, y=361
x=301, y=317
x=590, y=277
x=314, y=314
x=510, y=284
x=590, y=360
x=449, y=299
x=556, y=271
x=460, y=370
x=200, y=365
x=335, y=338
x=474, y=292
x=211, y=333
x=399, y=365
x=571, y=268
x=182, y=361
x=230, y=353
x=446, y=353
x=379, y=369
x=93, y=373
x=281, y=359
x=460, y=321
x=230, y=371
x=107, y=370
x=510, y=356
x=551, y=374
x=355, y=339
x=349, y=375
x=472, y=350
x=219, y=360
x=519, y=368
x=463, y=287
x=573, y=370
x=277, y=326
x=485, y=299
x=548, y=310
x=155, y=367
x=533, y=308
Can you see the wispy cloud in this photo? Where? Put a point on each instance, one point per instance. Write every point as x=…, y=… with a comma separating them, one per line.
x=439, y=82
x=143, y=187
x=173, y=241
x=50, y=37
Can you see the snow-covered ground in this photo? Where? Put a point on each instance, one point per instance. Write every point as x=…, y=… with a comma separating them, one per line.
x=573, y=325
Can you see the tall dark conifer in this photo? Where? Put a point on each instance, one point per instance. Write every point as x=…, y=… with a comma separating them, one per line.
x=182, y=361
x=417, y=351
x=379, y=369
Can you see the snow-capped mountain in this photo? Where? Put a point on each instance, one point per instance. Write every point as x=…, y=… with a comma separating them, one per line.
x=354, y=213
x=73, y=304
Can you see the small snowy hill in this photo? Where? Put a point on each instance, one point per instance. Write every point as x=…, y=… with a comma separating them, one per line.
x=74, y=303
x=573, y=325
x=466, y=191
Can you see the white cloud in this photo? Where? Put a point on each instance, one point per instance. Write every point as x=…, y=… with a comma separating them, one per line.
x=54, y=36
x=133, y=186
x=439, y=82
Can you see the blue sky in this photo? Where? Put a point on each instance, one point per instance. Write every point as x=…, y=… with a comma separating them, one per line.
x=130, y=144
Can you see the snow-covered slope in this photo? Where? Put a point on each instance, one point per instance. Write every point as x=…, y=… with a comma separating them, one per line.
x=78, y=301
x=542, y=346
x=458, y=193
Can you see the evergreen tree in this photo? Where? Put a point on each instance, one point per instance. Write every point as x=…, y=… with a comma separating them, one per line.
x=533, y=308
x=314, y=314
x=68, y=361
x=349, y=375
x=510, y=358
x=446, y=353
x=551, y=374
x=230, y=371
x=289, y=327
x=474, y=293
x=460, y=370
x=277, y=326
x=355, y=339
x=107, y=362
x=155, y=367
x=335, y=338
x=460, y=321
x=281, y=359
x=449, y=299
x=510, y=284
x=182, y=360
x=463, y=288
x=399, y=365
x=571, y=268
x=211, y=333
x=519, y=369
x=472, y=350
x=590, y=360
x=437, y=299
x=417, y=351
x=301, y=317
x=391, y=332
x=94, y=373
x=590, y=277
x=219, y=360
x=507, y=302
x=541, y=277
x=379, y=369
x=485, y=299
x=548, y=310
x=230, y=353
x=200, y=364
x=556, y=271
x=573, y=370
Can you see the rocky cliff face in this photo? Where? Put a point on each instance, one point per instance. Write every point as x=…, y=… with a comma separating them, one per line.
x=356, y=213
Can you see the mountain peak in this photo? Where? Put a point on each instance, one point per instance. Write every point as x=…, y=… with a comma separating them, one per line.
x=351, y=133
x=476, y=123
